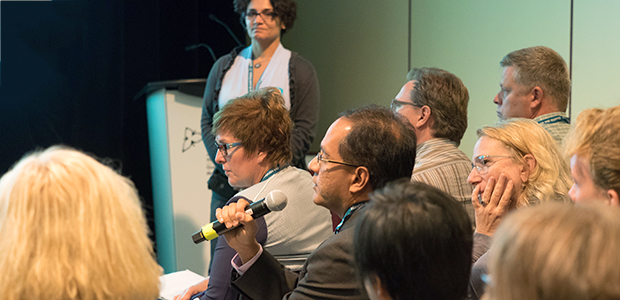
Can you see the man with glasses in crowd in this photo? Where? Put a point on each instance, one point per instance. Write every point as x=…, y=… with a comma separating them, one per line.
x=435, y=103
x=361, y=151
x=535, y=85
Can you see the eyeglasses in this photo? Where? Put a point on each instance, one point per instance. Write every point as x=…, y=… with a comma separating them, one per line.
x=267, y=15
x=319, y=156
x=224, y=147
x=396, y=104
x=481, y=162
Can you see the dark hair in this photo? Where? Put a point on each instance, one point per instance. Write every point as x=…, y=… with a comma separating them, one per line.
x=541, y=66
x=381, y=141
x=286, y=10
x=262, y=123
x=447, y=97
x=417, y=240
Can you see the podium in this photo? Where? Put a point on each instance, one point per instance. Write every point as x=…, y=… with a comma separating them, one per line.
x=180, y=169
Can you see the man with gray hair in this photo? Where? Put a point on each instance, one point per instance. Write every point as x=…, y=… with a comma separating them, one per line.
x=435, y=103
x=535, y=85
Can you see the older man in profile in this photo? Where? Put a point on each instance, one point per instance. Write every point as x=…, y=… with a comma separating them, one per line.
x=435, y=103
x=535, y=85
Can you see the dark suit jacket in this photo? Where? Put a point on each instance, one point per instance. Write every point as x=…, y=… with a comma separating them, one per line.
x=329, y=272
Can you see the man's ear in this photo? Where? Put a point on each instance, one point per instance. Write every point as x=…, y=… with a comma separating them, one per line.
x=614, y=200
x=360, y=180
x=536, y=95
x=377, y=288
x=530, y=164
x=424, y=118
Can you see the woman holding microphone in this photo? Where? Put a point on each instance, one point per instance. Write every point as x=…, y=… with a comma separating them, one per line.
x=265, y=62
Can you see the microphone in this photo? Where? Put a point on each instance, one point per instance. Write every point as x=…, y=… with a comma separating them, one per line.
x=275, y=201
x=214, y=18
x=196, y=46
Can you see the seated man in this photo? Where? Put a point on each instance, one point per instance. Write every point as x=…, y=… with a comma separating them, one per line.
x=435, y=103
x=413, y=241
x=535, y=85
x=361, y=151
x=593, y=146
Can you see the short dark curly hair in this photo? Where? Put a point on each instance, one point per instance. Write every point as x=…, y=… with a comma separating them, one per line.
x=380, y=140
x=286, y=10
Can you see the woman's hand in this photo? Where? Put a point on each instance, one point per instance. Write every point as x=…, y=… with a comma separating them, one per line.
x=193, y=290
x=492, y=205
x=242, y=239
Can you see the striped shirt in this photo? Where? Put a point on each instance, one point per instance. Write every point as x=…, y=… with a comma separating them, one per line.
x=441, y=164
x=556, y=123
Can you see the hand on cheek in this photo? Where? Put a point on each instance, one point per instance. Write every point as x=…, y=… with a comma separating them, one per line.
x=492, y=205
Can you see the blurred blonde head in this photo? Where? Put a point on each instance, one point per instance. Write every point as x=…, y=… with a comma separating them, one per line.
x=72, y=228
x=549, y=180
x=595, y=138
x=557, y=251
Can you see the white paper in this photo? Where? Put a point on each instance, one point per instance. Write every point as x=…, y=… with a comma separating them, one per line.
x=175, y=283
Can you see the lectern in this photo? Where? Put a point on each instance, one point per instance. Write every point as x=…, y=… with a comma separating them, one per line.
x=180, y=169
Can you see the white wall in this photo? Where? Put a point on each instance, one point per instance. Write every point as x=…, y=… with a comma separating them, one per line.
x=359, y=48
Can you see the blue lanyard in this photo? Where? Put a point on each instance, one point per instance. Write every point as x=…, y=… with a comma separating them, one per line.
x=272, y=172
x=348, y=214
x=555, y=119
x=251, y=77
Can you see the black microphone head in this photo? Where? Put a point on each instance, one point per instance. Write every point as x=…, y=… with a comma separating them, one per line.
x=213, y=17
x=276, y=200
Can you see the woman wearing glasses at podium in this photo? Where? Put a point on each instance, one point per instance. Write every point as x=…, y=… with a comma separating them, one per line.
x=264, y=63
x=516, y=164
x=252, y=135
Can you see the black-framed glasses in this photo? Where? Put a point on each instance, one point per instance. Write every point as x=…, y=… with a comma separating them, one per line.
x=396, y=104
x=319, y=157
x=267, y=15
x=224, y=147
x=481, y=162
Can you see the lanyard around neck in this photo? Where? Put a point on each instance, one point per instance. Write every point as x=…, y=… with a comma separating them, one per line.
x=348, y=214
x=251, y=77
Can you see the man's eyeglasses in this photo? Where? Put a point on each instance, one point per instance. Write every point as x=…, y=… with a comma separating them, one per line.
x=267, y=15
x=481, y=162
x=319, y=156
x=396, y=104
x=224, y=147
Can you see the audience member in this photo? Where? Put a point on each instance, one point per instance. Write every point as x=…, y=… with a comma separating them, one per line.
x=361, y=151
x=253, y=136
x=435, y=103
x=413, y=242
x=516, y=164
x=535, y=85
x=593, y=145
x=72, y=228
x=557, y=251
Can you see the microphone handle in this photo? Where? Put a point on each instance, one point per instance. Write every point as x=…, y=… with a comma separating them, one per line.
x=256, y=210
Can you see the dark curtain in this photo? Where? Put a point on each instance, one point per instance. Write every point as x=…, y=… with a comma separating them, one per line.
x=71, y=69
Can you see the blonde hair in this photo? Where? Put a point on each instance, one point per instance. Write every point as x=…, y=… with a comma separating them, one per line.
x=550, y=179
x=596, y=138
x=72, y=228
x=557, y=251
